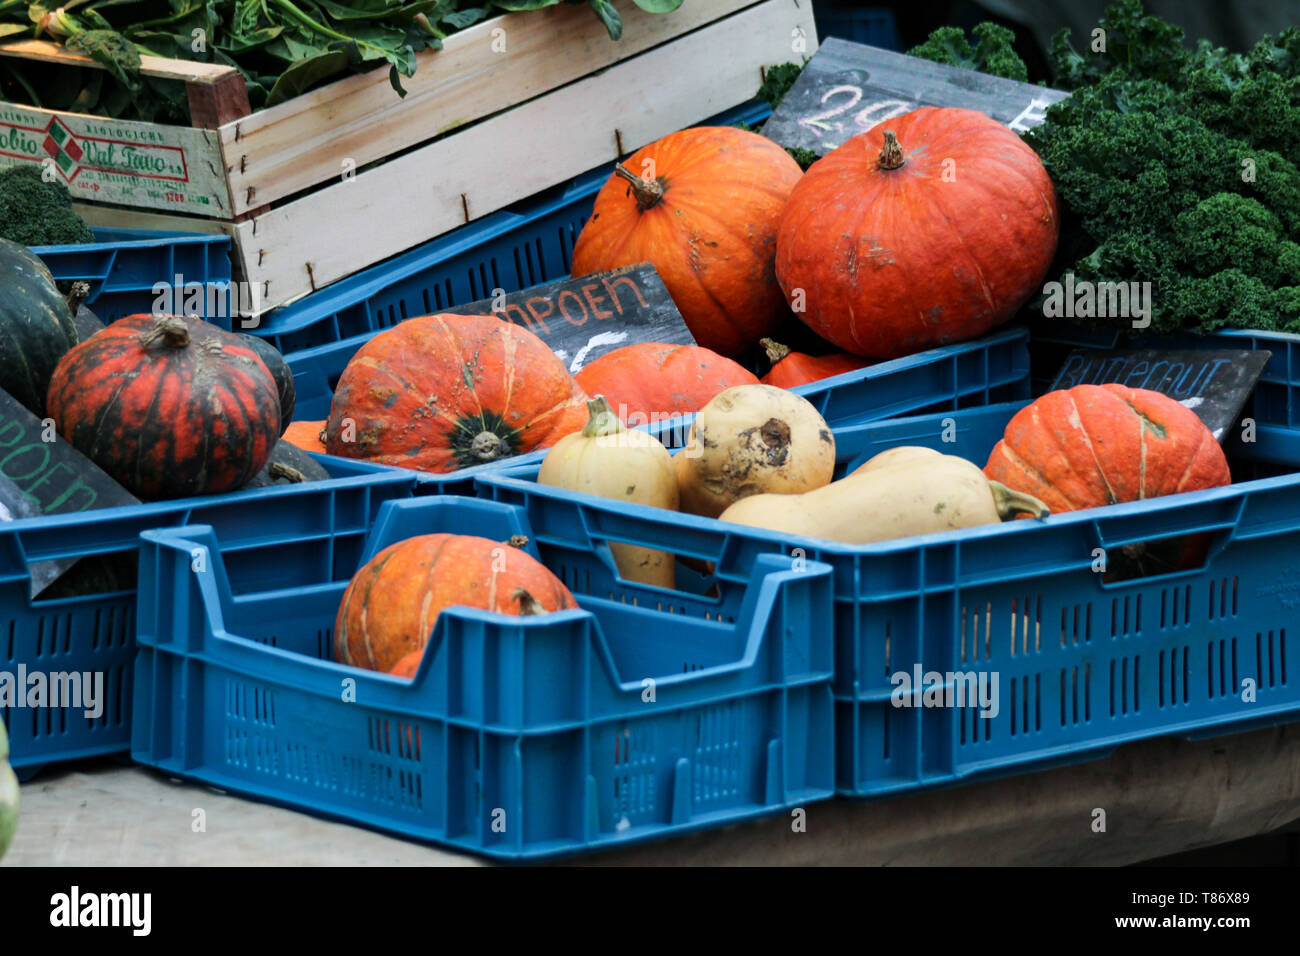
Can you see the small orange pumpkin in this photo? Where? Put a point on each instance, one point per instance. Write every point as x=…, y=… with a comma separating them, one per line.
x=1095, y=445
x=306, y=435
x=443, y=392
x=702, y=205
x=652, y=381
x=390, y=606
x=792, y=369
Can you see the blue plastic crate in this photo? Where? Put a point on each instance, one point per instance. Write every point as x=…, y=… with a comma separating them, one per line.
x=96, y=632
x=1274, y=405
x=639, y=716
x=1084, y=665
x=123, y=266
x=874, y=26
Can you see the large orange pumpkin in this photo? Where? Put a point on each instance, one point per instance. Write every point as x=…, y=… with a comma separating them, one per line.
x=652, y=381
x=442, y=392
x=1095, y=445
x=929, y=228
x=390, y=606
x=702, y=205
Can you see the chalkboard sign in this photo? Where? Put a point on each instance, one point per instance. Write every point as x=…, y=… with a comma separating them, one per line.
x=583, y=318
x=45, y=477
x=847, y=88
x=1214, y=384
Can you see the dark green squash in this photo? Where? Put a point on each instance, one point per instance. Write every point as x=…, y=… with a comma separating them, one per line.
x=288, y=465
x=36, y=327
x=279, y=370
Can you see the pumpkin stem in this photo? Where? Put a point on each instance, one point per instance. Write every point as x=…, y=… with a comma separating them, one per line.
x=529, y=606
x=488, y=446
x=603, y=421
x=1011, y=503
x=648, y=192
x=171, y=329
x=891, y=154
x=278, y=470
x=77, y=295
x=519, y=541
x=776, y=352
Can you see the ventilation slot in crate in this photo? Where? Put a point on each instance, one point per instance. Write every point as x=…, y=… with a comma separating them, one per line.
x=1270, y=657
x=1221, y=672
x=634, y=773
x=1076, y=695
x=249, y=703
x=1125, y=673
x=1176, y=606
x=1126, y=615
x=976, y=630
x=1223, y=598
x=1026, y=617
x=716, y=766
x=1026, y=705
x=1076, y=624
x=1175, y=667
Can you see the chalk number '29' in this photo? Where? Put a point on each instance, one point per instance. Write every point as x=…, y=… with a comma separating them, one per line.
x=865, y=119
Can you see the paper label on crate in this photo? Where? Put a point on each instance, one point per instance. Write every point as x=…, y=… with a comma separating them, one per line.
x=583, y=318
x=146, y=165
x=847, y=88
x=1214, y=384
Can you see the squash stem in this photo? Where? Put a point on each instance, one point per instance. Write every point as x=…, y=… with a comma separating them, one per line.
x=1011, y=503
x=602, y=420
x=171, y=329
x=891, y=154
x=529, y=606
x=776, y=352
x=77, y=295
x=648, y=192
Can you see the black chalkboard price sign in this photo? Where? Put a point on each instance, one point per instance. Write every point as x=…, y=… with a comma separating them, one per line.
x=42, y=474
x=1214, y=384
x=847, y=88
x=582, y=318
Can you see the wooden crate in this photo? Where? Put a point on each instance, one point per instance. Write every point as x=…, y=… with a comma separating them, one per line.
x=317, y=188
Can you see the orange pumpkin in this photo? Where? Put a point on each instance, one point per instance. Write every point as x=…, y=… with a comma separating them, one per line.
x=306, y=435
x=390, y=606
x=792, y=369
x=652, y=381
x=443, y=392
x=1095, y=445
x=929, y=228
x=702, y=205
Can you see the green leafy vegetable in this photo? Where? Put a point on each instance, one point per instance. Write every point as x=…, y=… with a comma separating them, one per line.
x=282, y=47
x=1177, y=167
x=994, y=50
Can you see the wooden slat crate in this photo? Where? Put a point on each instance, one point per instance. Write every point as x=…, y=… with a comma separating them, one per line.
x=317, y=188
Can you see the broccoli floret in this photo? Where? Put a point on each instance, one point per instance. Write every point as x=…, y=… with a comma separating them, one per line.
x=34, y=212
x=993, y=53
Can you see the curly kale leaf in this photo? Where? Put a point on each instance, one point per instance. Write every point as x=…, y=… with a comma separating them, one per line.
x=993, y=52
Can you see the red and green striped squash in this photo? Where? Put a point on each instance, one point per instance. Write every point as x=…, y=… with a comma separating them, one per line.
x=167, y=406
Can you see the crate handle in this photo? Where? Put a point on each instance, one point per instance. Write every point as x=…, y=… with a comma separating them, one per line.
x=1214, y=519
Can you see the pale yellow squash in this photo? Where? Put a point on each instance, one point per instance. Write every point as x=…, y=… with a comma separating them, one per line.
x=917, y=494
x=611, y=461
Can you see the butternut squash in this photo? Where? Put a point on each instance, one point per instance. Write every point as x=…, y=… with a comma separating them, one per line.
x=751, y=440
x=916, y=494
x=612, y=461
